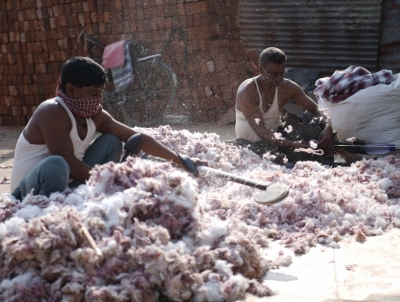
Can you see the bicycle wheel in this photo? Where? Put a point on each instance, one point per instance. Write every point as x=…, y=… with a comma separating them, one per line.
x=151, y=97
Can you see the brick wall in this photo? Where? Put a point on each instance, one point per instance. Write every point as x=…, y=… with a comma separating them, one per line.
x=38, y=36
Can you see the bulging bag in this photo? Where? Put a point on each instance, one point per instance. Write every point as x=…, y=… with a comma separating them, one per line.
x=371, y=114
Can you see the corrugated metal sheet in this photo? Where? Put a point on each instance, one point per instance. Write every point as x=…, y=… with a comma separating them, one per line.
x=322, y=35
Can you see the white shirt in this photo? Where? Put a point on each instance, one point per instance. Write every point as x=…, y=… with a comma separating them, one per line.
x=29, y=155
x=272, y=119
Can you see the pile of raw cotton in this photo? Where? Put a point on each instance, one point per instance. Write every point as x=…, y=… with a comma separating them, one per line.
x=145, y=231
x=152, y=239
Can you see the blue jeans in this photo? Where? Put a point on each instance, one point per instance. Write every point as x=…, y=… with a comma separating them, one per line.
x=52, y=174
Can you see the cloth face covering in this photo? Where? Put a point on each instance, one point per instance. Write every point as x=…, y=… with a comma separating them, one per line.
x=86, y=107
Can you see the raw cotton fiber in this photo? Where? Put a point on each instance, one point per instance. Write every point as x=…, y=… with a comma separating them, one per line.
x=161, y=234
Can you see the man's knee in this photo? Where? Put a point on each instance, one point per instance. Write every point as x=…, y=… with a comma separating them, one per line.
x=114, y=141
x=55, y=166
x=50, y=175
x=115, y=146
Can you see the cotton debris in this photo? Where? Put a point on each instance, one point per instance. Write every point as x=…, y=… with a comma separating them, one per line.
x=164, y=234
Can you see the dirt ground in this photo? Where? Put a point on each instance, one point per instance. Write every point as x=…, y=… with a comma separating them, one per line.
x=8, y=140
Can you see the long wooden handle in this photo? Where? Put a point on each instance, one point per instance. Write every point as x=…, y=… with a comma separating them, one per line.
x=244, y=181
x=91, y=241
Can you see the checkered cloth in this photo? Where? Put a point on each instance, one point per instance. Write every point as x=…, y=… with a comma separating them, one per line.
x=121, y=68
x=87, y=107
x=344, y=83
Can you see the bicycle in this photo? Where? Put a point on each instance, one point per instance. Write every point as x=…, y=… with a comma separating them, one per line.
x=148, y=99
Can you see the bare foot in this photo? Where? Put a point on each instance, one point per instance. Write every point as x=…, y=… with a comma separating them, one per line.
x=353, y=157
x=348, y=156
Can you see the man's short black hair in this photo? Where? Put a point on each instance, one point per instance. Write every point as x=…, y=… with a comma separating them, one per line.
x=273, y=55
x=82, y=72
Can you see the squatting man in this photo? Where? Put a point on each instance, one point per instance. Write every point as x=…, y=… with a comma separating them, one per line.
x=56, y=150
x=259, y=104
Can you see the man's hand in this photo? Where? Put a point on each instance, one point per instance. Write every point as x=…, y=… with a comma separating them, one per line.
x=191, y=164
x=199, y=162
x=325, y=139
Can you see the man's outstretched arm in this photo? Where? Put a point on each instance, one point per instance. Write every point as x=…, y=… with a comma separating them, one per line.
x=298, y=95
x=105, y=123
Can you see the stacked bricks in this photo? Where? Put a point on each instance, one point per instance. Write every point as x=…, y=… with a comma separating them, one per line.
x=199, y=40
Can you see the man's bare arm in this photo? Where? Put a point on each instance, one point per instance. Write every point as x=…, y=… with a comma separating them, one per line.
x=107, y=124
x=298, y=95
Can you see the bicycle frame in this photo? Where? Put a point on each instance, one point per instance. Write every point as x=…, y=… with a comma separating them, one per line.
x=153, y=88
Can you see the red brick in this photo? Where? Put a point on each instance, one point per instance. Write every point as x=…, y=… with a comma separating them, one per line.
x=5, y=38
x=12, y=90
x=17, y=26
x=86, y=17
x=197, y=7
x=196, y=20
x=199, y=32
x=61, y=21
x=3, y=110
x=92, y=5
x=181, y=9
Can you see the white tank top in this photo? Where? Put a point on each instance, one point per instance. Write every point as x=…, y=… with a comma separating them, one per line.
x=28, y=155
x=272, y=119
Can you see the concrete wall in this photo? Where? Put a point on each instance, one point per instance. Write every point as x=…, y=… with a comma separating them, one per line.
x=38, y=36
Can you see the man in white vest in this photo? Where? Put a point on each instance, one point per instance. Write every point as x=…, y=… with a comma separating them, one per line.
x=56, y=149
x=259, y=104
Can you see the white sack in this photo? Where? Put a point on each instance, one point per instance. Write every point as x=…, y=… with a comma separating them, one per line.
x=371, y=114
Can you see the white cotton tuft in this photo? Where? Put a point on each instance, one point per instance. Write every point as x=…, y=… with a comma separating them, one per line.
x=346, y=224
x=309, y=223
x=13, y=225
x=277, y=135
x=111, y=207
x=3, y=231
x=105, y=175
x=52, y=208
x=213, y=292
x=380, y=223
x=182, y=245
x=286, y=260
x=24, y=279
x=211, y=152
x=352, y=171
x=288, y=129
x=28, y=212
x=334, y=245
x=74, y=199
x=325, y=174
x=351, y=139
x=112, y=244
x=313, y=144
x=385, y=183
x=217, y=229
x=185, y=194
x=224, y=268
x=349, y=218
